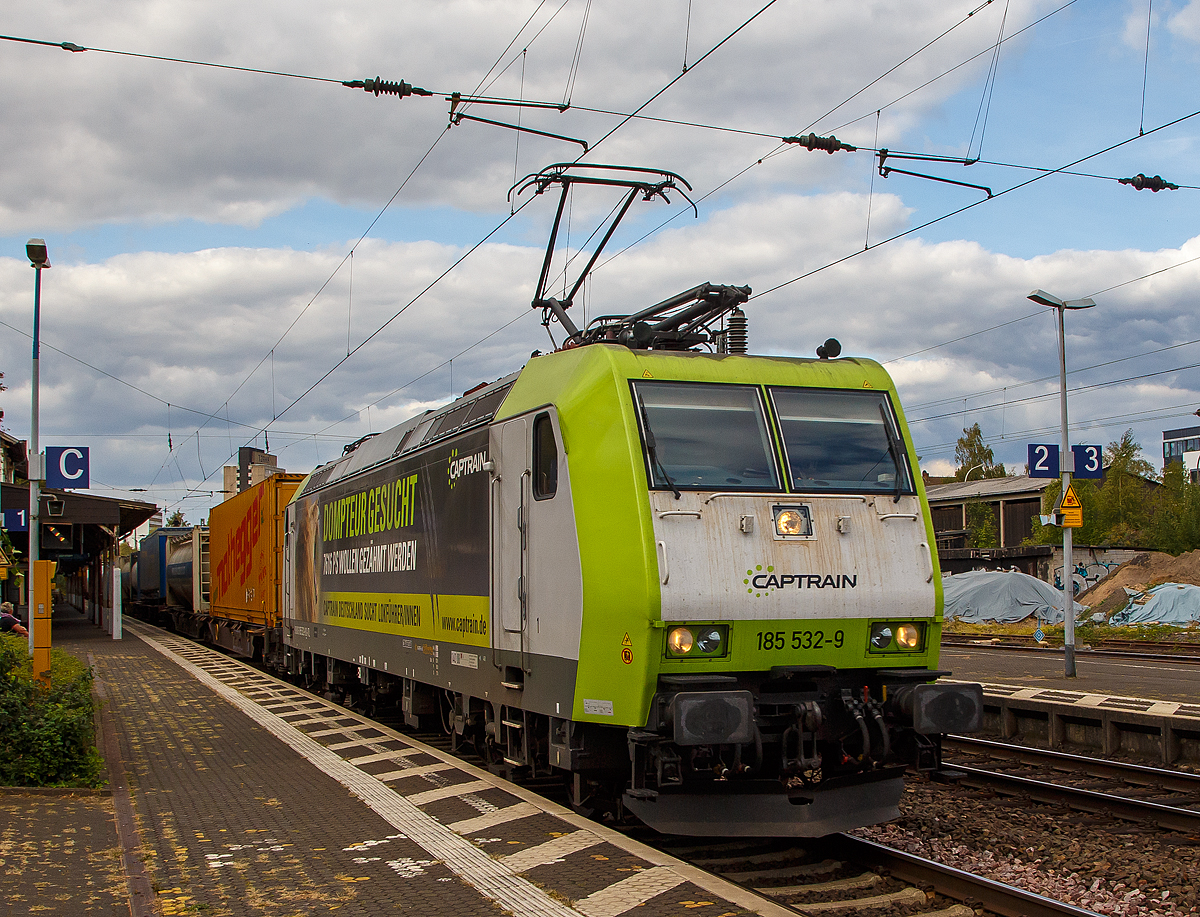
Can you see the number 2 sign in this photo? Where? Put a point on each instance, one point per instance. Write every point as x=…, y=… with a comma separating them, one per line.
x=1043, y=460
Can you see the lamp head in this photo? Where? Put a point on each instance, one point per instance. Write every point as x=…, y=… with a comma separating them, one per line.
x=39, y=257
x=1042, y=298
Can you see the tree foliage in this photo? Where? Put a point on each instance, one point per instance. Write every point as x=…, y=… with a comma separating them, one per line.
x=972, y=454
x=176, y=519
x=1128, y=509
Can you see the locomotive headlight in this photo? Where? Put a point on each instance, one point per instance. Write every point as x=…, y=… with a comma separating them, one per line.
x=680, y=641
x=792, y=521
x=908, y=636
x=881, y=636
x=709, y=641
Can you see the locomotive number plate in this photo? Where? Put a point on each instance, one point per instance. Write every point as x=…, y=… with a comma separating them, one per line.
x=800, y=640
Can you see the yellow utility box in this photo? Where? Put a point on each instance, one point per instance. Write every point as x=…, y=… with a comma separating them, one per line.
x=41, y=607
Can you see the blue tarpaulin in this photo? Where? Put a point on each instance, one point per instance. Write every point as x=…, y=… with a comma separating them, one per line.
x=1169, y=603
x=992, y=596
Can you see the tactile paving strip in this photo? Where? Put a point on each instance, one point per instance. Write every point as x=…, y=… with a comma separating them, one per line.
x=526, y=854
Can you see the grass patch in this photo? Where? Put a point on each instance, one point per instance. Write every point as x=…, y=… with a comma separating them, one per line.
x=47, y=735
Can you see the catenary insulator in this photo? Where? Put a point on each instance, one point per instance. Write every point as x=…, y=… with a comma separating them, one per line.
x=387, y=87
x=1156, y=183
x=813, y=142
x=735, y=332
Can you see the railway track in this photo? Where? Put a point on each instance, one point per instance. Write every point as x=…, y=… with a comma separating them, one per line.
x=848, y=875
x=1125, y=649
x=1133, y=792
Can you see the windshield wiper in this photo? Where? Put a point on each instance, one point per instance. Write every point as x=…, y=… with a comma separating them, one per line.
x=652, y=450
x=894, y=448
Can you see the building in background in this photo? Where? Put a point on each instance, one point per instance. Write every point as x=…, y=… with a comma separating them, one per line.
x=14, y=461
x=1183, y=446
x=254, y=466
x=1014, y=503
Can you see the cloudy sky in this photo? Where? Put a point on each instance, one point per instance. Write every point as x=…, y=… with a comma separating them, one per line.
x=223, y=240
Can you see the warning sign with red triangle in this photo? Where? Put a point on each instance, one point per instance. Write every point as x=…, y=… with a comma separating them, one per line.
x=1071, y=509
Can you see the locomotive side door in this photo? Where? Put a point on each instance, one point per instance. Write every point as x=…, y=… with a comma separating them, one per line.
x=509, y=503
x=537, y=583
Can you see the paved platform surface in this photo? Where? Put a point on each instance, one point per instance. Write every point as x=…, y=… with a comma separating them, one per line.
x=253, y=797
x=1154, y=679
x=59, y=855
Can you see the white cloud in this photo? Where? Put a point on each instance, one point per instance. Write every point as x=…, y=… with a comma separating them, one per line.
x=190, y=328
x=1186, y=22
x=95, y=137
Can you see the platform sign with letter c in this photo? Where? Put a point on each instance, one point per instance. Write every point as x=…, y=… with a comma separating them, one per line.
x=68, y=467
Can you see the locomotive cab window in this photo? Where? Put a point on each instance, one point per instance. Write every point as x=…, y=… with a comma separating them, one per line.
x=704, y=437
x=839, y=441
x=545, y=459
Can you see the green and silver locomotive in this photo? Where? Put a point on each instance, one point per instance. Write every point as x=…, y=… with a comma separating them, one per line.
x=700, y=586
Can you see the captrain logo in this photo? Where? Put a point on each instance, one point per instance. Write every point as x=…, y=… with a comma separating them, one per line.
x=762, y=581
x=461, y=467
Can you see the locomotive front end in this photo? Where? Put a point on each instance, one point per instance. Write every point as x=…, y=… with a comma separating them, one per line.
x=800, y=614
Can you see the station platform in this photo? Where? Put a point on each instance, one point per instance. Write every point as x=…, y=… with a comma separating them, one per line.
x=234, y=793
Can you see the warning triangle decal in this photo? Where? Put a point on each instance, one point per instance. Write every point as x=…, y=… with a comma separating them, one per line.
x=627, y=641
x=1069, y=500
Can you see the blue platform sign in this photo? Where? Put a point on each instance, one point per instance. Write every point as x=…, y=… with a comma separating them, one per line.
x=1043, y=460
x=1089, y=461
x=16, y=520
x=67, y=467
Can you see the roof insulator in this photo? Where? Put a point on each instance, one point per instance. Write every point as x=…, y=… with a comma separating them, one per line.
x=812, y=142
x=387, y=87
x=1141, y=183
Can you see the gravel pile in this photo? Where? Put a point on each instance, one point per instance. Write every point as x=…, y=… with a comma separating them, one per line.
x=1101, y=864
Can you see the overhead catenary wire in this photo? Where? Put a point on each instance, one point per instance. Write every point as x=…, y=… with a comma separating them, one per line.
x=371, y=226
x=573, y=71
x=1040, y=176
x=328, y=280
x=437, y=140
x=517, y=210
x=1146, y=64
x=989, y=89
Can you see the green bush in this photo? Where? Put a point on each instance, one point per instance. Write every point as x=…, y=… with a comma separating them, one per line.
x=47, y=735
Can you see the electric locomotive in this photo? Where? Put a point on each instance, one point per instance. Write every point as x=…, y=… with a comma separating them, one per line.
x=702, y=587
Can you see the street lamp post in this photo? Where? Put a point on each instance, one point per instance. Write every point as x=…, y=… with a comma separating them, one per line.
x=1067, y=466
x=39, y=260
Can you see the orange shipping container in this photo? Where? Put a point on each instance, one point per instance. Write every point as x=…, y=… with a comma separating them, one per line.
x=246, y=551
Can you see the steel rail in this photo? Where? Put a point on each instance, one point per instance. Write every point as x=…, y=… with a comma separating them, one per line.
x=1006, y=900
x=1169, y=817
x=1141, y=774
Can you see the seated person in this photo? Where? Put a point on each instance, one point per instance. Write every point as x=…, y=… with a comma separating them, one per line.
x=9, y=622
